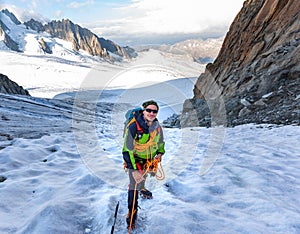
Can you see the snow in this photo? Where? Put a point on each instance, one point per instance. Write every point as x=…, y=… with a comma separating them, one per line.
x=49, y=75
x=267, y=95
x=70, y=179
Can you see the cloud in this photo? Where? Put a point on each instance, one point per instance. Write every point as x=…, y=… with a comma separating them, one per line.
x=58, y=13
x=24, y=15
x=34, y=4
x=187, y=16
x=167, y=18
x=77, y=4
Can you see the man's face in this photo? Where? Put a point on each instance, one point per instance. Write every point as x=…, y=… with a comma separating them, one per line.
x=150, y=113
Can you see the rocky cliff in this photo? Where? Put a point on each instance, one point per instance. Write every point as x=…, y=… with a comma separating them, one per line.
x=9, y=87
x=81, y=38
x=12, y=17
x=256, y=75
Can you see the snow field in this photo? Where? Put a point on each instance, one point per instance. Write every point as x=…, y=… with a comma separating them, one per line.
x=252, y=188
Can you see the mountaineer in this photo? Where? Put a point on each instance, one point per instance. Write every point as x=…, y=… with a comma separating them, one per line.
x=143, y=144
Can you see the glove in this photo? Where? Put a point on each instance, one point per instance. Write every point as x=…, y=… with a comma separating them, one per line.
x=158, y=157
x=137, y=176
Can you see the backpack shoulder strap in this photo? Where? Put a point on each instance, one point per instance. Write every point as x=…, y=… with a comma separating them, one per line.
x=138, y=127
x=159, y=129
x=130, y=122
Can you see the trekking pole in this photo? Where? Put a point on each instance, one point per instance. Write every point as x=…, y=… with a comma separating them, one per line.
x=116, y=213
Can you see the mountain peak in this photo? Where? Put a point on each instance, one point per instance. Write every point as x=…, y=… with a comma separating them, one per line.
x=12, y=17
x=14, y=36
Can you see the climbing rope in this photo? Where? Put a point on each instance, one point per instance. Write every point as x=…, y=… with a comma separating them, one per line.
x=155, y=166
x=132, y=210
x=139, y=147
x=150, y=166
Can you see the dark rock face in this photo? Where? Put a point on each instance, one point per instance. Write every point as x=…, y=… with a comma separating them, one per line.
x=129, y=52
x=81, y=38
x=256, y=75
x=9, y=87
x=172, y=122
x=110, y=46
x=35, y=25
x=45, y=46
x=84, y=39
x=10, y=43
x=11, y=16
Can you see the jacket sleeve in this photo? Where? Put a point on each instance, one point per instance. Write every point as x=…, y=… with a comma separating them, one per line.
x=128, y=147
x=161, y=142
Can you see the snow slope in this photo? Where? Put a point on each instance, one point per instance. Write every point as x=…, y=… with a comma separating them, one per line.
x=66, y=175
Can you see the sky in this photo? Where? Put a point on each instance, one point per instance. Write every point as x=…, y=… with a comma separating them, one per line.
x=132, y=22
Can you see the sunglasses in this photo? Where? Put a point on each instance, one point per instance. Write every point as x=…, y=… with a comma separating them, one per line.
x=150, y=110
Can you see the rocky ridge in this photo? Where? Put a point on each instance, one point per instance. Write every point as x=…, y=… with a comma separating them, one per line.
x=255, y=78
x=8, y=41
x=10, y=87
x=81, y=38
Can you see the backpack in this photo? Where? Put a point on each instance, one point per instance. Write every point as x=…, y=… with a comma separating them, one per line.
x=129, y=118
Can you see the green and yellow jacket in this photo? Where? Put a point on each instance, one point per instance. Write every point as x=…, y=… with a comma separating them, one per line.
x=141, y=142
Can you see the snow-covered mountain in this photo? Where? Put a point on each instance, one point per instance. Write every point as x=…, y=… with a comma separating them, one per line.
x=48, y=66
x=57, y=37
x=24, y=15
x=36, y=35
x=202, y=51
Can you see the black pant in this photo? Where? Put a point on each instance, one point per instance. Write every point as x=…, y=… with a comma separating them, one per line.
x=133, y=191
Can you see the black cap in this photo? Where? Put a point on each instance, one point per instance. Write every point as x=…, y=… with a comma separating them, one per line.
x=151, y=102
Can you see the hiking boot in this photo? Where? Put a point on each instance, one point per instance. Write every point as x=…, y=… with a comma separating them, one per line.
x=128, y=218
x=146, y=193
